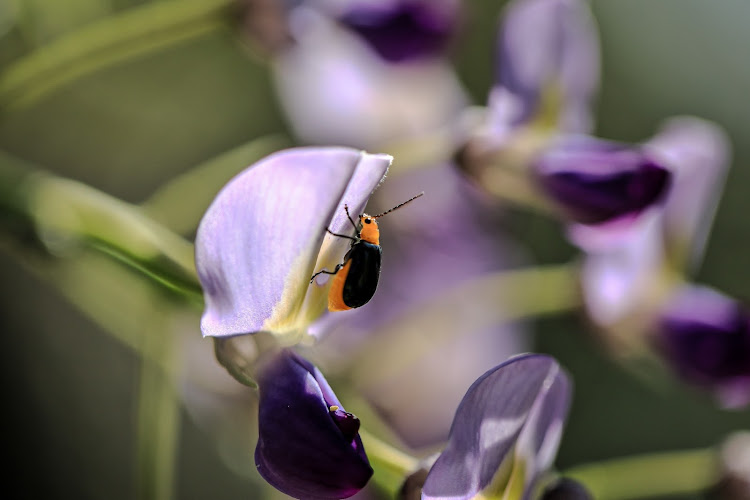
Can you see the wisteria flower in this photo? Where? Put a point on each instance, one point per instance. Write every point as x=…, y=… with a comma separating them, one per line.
x=339, y=83
x=265, y=234
x=547, y=66
x=705, y=336
x=308, y=445
x=632, y=265
x=505, y=433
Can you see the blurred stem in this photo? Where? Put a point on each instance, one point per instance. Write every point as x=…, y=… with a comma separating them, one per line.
x=158, y=418
x=391, y=465
x=504, y=296
x=133, y=33
x=647, y=476
x=65, y=213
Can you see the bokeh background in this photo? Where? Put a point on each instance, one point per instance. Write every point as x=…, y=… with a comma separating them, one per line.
x=72, y=398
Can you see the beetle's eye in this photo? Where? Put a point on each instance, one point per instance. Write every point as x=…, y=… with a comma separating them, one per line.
x=367, y=221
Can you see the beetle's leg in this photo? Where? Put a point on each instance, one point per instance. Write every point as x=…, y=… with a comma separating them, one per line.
x=341, y=235
x=346, y=209
x=326, y=271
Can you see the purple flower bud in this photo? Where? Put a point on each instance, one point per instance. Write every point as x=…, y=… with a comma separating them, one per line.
x=566, y=489
x=404, y=30
x=705, y=336
x=510, y=418
x=596, y=181
x=308, y=445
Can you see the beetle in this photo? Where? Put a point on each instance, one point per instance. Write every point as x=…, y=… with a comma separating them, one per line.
x=356, y=277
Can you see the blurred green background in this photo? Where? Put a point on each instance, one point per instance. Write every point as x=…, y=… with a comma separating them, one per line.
x=133, y=116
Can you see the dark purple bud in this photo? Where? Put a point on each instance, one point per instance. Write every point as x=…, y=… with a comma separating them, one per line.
x=596, y=181
x=405, y=29
x=705, y=336
x=566, y=489
x=308, y=445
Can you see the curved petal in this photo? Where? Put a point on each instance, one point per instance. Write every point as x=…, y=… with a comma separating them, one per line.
x=258, y=243
x=305, y=448
x=620, y=271
x=521, y=405
x=697, y=152
x=547, y=46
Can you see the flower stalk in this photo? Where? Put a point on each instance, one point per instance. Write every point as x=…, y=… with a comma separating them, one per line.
x=650, y=476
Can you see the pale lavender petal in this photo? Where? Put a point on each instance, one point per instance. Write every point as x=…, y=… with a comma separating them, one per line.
x=505, y=405
x=547, y=46
x=698, y=154
x=620, y=269
x=258, y=242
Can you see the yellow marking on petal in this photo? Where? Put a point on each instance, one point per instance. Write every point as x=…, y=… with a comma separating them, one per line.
x=550, y=106
x=333, y=408
x=289, y=319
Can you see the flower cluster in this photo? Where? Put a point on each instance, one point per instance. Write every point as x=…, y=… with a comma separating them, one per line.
x=435, y=355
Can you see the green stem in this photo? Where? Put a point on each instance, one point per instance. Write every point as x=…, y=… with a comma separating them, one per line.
x=158, y=422
x=646, y=476
x=65, y=213
x=391, y=465
x=501, y=297
x=140, y=30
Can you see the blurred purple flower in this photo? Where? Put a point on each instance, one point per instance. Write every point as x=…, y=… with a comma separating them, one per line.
x=308, y=445
x=451, y=237
x=705, y=336
x=548, y=56
x=629, y=265
x=404, y=30
x=265, y=233
x=596, y=181
x=505, y=433
x=336, y=88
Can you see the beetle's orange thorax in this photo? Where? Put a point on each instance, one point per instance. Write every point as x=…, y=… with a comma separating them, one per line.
x=370, y=232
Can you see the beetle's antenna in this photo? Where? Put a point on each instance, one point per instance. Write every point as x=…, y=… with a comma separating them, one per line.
x=398, y=206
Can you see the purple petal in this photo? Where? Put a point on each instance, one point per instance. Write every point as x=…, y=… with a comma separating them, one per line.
x=404, y=30
x=597, y=181
x=547, y=46
x=305, y=448
x=697, y=152
x=523, y=403
x=259, y=241
x=705, y=336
